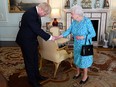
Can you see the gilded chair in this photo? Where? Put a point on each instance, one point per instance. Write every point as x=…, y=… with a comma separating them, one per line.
x=55, y=31
x=50, y=50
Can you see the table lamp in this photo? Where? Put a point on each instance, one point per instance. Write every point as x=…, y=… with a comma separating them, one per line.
x=55, y=14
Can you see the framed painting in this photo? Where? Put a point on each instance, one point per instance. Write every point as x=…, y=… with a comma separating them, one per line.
x=19, y=6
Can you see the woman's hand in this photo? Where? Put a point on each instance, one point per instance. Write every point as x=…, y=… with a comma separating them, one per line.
x=79, y=37
x=58, y=37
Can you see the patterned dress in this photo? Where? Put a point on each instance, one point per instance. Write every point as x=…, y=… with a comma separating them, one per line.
x=82, y=28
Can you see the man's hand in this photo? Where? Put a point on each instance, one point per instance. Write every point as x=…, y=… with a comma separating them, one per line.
x=53, y=38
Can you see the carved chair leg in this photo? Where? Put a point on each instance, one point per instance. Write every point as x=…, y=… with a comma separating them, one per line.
x=70, y=60
x=56, y=68
x=40, y=63
x=113, y=44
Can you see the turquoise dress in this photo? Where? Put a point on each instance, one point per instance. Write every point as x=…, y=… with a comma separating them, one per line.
x=81, y=28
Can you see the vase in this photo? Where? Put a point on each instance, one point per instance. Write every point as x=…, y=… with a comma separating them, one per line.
x=106, y=4
x=67, y=4
x=97, y=4
x=74, y=2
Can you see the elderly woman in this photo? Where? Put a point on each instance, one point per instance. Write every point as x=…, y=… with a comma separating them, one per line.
x=80, y=28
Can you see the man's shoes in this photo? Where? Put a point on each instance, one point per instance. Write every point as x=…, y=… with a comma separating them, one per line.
x=42, y=78
x=83, y=82
x=40, y=85
x=76, y=77
x=34, y=84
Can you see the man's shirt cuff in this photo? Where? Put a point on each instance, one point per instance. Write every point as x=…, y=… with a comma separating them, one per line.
x=50, y=38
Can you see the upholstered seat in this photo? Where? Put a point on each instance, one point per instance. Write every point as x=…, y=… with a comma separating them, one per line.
x=55, y=31
x=49, y=50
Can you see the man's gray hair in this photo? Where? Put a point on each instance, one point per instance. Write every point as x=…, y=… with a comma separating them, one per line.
x=76, y=9
x=45, y=6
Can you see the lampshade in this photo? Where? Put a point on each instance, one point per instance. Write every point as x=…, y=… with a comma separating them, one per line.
x=55, y=13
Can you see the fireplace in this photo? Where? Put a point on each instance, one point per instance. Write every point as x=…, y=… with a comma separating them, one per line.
x=96, y=27
x=99, y=21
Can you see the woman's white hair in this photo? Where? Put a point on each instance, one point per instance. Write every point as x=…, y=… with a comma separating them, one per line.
x=76, y=9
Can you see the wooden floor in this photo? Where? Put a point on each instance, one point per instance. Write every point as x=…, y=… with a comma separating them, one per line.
x=3, y=81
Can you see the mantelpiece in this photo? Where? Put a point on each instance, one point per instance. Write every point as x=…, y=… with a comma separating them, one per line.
x=101, y=15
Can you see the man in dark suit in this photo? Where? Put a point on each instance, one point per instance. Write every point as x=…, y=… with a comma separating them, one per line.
x=27, y=39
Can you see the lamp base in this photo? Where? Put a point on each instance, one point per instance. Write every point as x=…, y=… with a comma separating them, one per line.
x=55, y=22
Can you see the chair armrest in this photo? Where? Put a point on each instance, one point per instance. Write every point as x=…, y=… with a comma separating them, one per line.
x=65, y=48
x=62, y=44
x=62, y=40
x=62, y=48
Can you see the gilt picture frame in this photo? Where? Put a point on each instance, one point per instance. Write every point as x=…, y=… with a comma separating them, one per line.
x=20, y=6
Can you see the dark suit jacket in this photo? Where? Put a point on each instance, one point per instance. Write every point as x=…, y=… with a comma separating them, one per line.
x=30, y=28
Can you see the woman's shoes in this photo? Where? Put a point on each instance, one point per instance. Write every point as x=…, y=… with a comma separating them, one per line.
x=83, y=82
x=76, y=77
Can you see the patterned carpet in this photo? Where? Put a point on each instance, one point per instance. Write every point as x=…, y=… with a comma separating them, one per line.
x=11, y=61
x=102, y=73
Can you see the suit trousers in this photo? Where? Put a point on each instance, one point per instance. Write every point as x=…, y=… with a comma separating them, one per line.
x=30, y=55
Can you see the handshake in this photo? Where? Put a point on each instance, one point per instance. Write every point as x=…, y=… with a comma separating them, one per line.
x=56, y=37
